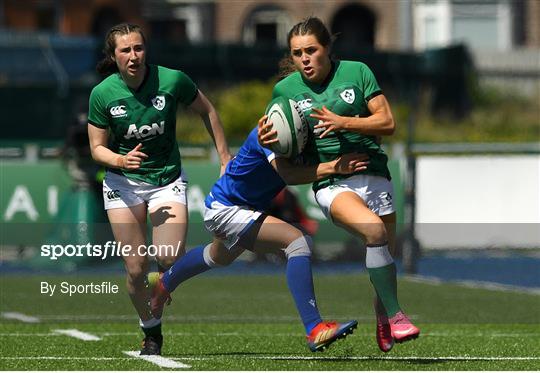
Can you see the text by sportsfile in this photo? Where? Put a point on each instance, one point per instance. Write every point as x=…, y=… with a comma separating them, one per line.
x=105, y=287
x=109, y=249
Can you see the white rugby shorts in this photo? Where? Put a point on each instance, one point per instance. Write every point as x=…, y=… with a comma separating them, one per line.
x=376, y=191
x=229, y=223
x=120, y=191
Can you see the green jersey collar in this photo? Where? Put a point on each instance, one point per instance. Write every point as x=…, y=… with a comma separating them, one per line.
x=322, y=86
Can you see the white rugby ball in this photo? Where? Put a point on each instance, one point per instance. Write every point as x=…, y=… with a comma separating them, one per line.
x=291, y=125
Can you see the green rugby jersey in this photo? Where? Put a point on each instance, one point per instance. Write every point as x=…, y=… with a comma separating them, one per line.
x=146, y=115
x=346, y=92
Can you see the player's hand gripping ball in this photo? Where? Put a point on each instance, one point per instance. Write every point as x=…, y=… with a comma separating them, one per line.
x=291, y=126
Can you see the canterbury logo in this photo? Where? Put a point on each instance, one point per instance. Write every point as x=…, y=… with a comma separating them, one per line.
x=118, y=111
x=305, y=104
x=325, y=335
x=113, y=194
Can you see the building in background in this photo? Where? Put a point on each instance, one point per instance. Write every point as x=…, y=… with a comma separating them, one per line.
x=502, y=35
x=500, y=25
x=369, y=22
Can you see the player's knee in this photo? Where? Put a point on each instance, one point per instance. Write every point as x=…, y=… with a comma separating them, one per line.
x=221, y=260
x=216, y=258
x=302, y=246
x=136, y=273
x=376, y=234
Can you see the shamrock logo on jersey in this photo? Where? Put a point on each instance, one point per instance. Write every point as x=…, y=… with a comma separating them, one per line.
x=348, y=96
x=158, y=102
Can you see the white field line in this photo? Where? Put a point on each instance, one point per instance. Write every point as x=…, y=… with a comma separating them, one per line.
x=379, y=358
x=398, y=358
x=20, y=316
x=160, y=361
x=480, y=334
x=201, y=318
x=29, y=335
x=233, y=334
x=474, y=284
x=285, y=357
x=77, y=334
x=61, y=358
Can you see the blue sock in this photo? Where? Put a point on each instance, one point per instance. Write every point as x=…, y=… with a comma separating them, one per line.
x=300, y=282
x=191, y=264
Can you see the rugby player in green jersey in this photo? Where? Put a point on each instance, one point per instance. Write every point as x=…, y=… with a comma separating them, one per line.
x=135, y=107
x=347, y=113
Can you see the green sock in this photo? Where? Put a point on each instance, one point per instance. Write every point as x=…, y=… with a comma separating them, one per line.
x=385, y=283
x=153, y=331
x=379, y=306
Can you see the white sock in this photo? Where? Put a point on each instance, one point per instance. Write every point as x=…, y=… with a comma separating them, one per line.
x=207, y=258
x=378, y=256
x=149, y=323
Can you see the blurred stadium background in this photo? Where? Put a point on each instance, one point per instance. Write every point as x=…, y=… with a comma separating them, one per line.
x=462, y=76
x=463, y=79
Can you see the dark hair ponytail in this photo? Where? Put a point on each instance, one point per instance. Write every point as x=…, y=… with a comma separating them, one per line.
x=309, y=26
x=107, y=65
x=286, y=66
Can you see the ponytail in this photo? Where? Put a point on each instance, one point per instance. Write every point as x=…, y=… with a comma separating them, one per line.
x=286, y=66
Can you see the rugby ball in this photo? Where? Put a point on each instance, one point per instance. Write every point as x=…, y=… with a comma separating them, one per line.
x=291, y=125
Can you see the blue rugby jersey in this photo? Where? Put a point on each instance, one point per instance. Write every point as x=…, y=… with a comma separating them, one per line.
x=249, y=179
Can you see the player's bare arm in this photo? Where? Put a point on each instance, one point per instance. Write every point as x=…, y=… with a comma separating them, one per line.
x=202, y=106
x=103, y=155
x=379, y=123
x=295, y=174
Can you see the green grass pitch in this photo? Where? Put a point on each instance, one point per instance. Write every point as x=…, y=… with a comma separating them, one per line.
x=235, y=322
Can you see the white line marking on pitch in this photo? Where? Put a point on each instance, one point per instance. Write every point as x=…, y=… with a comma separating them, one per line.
x=61, y=358
x=196, y=318
x=426, y=334
x=20, y=316
x=29, y=335
x=161, y=361
x=420, y=358
x=381, y=358
x=158, y=360
x=77, y=334
x=486, y=285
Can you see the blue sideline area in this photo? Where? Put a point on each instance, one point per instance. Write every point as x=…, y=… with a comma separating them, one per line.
x=514, y=269
x=510, y=268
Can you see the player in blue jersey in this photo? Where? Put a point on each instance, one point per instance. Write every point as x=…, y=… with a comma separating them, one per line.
x=235, y=215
